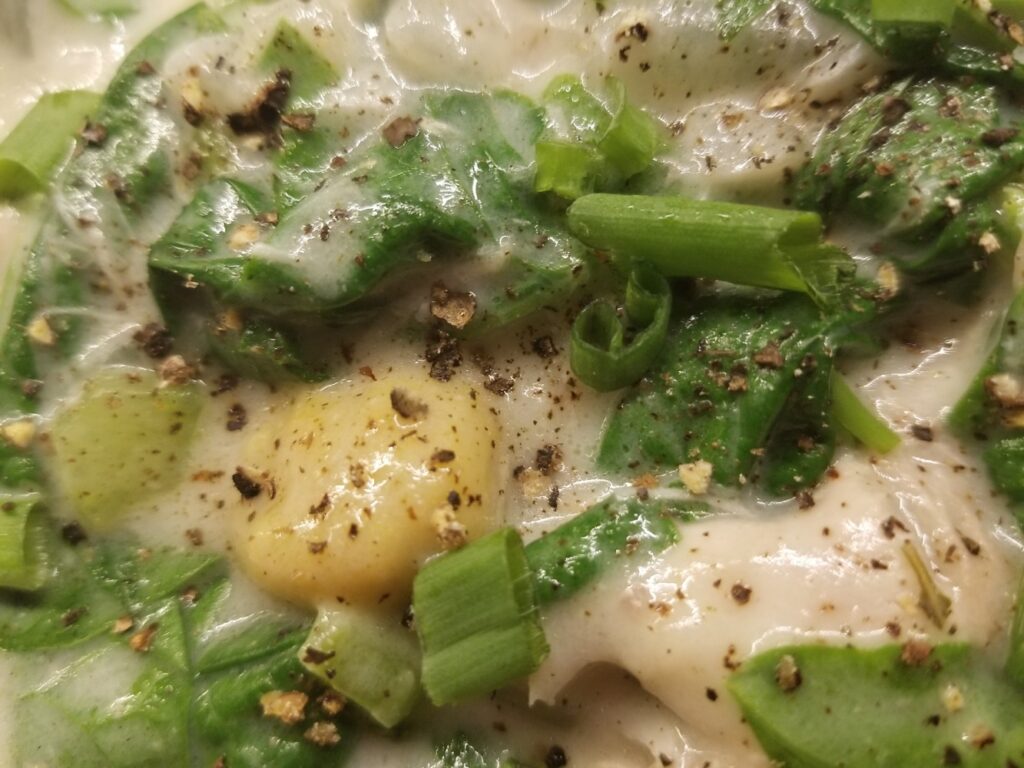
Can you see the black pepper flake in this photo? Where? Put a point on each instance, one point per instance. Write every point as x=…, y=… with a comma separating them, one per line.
x=972, y=546
x=553, y=497
x=454, y=499
x=407, y=406
x=951, y=757
x=890, y=525
x=31, y=387
x=237, y=417
x=544, y=346
x=548, y=460
x=805, y=500
x=997, y=137
x=246, y=486
x=225, y=383
x=712, y=694
x=443, y=353
x=317, y=547
x=923, y=432
x=155, y=340
x=741, y=593
x=555, y=758
x=73, y=533
x=442, y=456
x=72, y=617
x=263, y=115
x=311, y=655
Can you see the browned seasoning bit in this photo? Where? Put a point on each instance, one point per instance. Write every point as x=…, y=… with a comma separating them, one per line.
x=400, y=130
x=317, y=547
x=442, y=456
x=787, y=674
x=237, y=417
x=301, y=122
x=407, y=406
x=805, y=499
x=915, y=652
x=287, y=706
x=972, y=546
x=332, y=703
x=156, y=341
x=246, y=485
x=270, y=218
x=323, y=734
x=142, y=640
x=769, y=356
x=191, y=114
x=456, y=308
x=555, y=757
x=174, y=370
x=122, y=625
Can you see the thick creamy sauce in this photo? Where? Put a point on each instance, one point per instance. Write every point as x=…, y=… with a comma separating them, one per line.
x=741, y=115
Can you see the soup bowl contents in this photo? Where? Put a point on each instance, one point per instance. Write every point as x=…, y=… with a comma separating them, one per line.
x=539, y=383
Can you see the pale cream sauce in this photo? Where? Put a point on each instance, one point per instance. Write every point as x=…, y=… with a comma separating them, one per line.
x=739, y=116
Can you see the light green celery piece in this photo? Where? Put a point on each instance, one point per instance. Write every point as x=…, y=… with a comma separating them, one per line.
x=822, y=707
x=124, y=440
x=22, y=556
x=103, y=8
x=37, y=147
x=1015, y=659
x=859, y=420
x=371, y=663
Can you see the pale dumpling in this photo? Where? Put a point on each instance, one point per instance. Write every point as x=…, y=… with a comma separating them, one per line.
x=354, y=485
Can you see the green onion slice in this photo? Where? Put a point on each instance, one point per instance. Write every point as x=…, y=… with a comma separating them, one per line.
x=859, y=420
x=477, y=619
x=22, y=550
x=372, y=664
x=604, y=353
x=742, y=244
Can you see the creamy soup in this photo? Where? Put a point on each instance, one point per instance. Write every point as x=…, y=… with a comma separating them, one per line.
x=320, y=479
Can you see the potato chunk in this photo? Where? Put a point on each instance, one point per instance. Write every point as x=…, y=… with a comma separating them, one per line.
x=360, y=482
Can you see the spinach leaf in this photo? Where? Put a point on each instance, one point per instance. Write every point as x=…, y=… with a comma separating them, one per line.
x=813, y=706
x=738, y=377
x=920, y=161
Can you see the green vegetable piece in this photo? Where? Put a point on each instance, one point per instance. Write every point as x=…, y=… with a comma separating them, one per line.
x=1015, y=659
x=730, y=371
x=588, y=145
x=992, y=409
x=374, y=665
x=264, y=351
x=570, y=557
x=746, y=245
x=929, y=12
x=22, y=553
x=859, y=420
x=733, y=16
x=815, y=706
x=104, y=8
x=477, y=619
x=601, y=356
x=896, y=160
x=122, y=441
x=309, y=72
x=33, y=152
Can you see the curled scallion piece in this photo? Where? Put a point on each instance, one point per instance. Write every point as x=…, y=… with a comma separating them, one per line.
x=610, y=351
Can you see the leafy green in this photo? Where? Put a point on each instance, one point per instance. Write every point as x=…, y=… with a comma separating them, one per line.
x=920, y=162
x=568, y=558
x=817, y=706
x=738, y=377
x=175, y=684
x=733, y=16
x=992, y=409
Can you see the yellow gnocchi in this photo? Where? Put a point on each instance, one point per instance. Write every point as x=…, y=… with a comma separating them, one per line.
x=354, y=485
